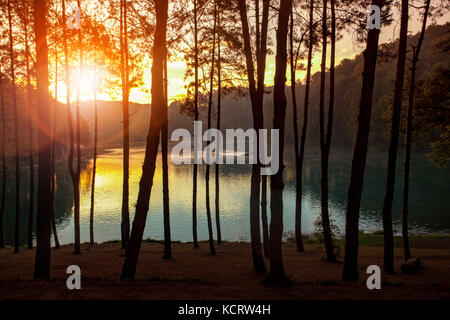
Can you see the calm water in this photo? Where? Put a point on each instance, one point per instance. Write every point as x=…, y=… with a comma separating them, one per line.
x=429, y=204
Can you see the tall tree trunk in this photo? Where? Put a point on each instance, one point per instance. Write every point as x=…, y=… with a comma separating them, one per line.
x=44, y=210
x=258, y=121
x=126, y=126
x=195, y=169
x=53, y=151
x=298, y=193
x=409, y=133
x=261, y=46
x=94, y=161
x=219, y=102
x=393, y=145
x=165, y=168
x=350, y=270
x=148, y=168
x=208, y=167
x=324, y=147
x=298, y=208
x=16, y=131
x=4, y=172
x=276, y=181
x=72, y=172
x=29, y=107
x=261, y=69
x=78, y=168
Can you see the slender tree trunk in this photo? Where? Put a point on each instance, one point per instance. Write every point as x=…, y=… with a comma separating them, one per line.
x=298, y=208
x=72, y=172
x=126, y=129
x=16, y=131
x=261, y=38
x=53, y=152
x=350, y=271
x=261, y=69
x=94, y=161
x=30, y=131
x=78, y=169
x=393, y=145
x=44, y=210
x=298, y=193
x=195, y=169
x=276, y=181
x=208, y=167
x=165, y=170
x=409, y=133
x=258, y=121
x=324, y=148
x=148, y=169
x=4, y=172
x=219, y=102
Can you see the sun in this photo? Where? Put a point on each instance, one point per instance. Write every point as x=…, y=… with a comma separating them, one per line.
x=87, y=83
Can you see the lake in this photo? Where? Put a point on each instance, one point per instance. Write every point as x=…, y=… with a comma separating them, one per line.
x=429, y=197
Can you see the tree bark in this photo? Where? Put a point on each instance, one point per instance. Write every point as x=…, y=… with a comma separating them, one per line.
x=16, y=131
x=393, y=144
x=195, y=169
x=148, y=169
x=350, y=270
x=44, y=213
x=409, y=133
x=276, y=182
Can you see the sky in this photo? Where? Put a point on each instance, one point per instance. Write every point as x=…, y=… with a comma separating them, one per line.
x=345, y=48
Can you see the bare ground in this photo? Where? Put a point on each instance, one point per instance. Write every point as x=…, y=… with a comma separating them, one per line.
x=194, y=274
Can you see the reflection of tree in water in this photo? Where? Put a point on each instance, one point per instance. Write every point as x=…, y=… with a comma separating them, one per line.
x=63, y=203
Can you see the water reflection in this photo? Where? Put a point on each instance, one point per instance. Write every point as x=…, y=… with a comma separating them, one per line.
x=429, y=200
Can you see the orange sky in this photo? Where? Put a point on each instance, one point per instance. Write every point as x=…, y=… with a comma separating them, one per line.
x=345, y=48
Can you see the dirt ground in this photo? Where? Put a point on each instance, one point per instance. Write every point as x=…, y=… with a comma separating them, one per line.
x=194, y=274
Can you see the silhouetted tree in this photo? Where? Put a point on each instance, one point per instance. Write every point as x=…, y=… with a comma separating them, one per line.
x=156, y=121
x=276, y=180
x=25, y=14
x=393, y=144
x=256, y=88
x=74, y=173
x=350, y=270
x=55, y=114
x=325, y=141
x=409, y=132
x=165, y=168
x=210, y=104
x=4, y=171
x=16, y=129
x=126, y=121
x=44, y=210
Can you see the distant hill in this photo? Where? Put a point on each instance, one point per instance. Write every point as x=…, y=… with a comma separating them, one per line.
x=236, y=111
